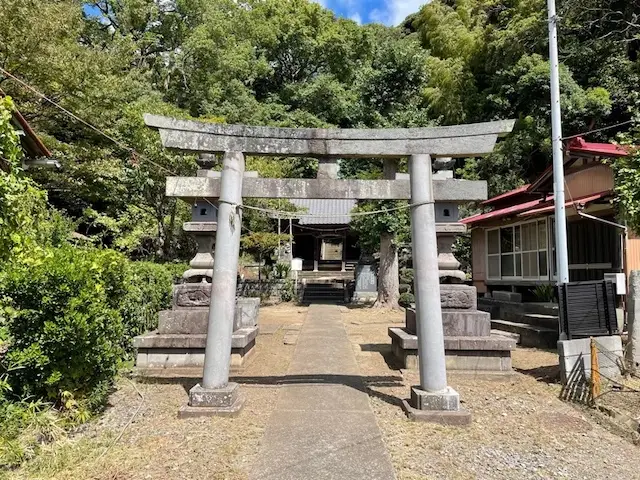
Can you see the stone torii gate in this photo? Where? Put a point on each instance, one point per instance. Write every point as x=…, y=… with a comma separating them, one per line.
x=215, y=394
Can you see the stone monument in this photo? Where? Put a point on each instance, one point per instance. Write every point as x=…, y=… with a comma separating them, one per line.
x=180, y=338
x=366, y=282
x=469, y=345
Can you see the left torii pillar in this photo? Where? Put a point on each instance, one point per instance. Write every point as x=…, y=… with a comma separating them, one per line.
x=215, y=395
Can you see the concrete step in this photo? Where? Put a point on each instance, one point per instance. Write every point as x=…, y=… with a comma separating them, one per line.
x=503, y=334
x=530, y=335
x=541, y=320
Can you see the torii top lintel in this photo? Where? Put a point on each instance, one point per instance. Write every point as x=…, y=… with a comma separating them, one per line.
x=454, y=141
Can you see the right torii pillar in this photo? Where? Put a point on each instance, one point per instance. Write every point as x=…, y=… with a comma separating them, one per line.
x=433, y=400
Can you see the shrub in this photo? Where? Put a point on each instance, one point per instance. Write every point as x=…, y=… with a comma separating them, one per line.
x=406, y=277
x=287, y=293
x=149, y=291
x=63, y=322
x=406, y=299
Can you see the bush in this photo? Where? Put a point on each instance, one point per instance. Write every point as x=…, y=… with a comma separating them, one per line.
x=406, y=277
x=406, y=299
x=149, y=291
x=63, y=322
x=287, y=293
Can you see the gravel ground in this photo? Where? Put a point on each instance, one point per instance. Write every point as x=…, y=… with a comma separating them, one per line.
x=520, y=430
x=520, y=427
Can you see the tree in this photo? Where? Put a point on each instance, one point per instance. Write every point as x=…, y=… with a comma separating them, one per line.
x=383, y=232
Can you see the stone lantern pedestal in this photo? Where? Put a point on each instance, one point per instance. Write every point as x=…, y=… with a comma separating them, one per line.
x=469, y=344
x=181, y=336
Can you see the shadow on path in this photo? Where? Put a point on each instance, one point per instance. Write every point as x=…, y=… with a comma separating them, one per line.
x=358, y=382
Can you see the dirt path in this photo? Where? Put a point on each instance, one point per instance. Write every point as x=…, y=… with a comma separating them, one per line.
x=521, y=430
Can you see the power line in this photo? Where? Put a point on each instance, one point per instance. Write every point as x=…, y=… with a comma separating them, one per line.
x=599, y=129
x=84, y=122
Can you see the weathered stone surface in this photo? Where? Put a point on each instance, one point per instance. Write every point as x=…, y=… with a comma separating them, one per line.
x=225, y=401
x=239, y=339
x=200, y=227
x=247, y=310
x=183, y=321
x=458, y=297
x=409, y=341
x=633, y=308
x=453, y=190
x=327, y=168
x=448, y=400
x=481, y=355
x=192, y=294
x=214, y=397
x=506, y=296
x=576, y=355
x=457, y=323
x=455, y=141
x=442, y=417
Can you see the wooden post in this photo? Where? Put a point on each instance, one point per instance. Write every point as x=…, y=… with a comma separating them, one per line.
x=595, y=371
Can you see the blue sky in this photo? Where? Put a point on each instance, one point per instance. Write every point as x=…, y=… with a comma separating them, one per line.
x=388, y=12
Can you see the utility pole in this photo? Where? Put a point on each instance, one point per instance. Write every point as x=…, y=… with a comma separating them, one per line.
x=562, y=257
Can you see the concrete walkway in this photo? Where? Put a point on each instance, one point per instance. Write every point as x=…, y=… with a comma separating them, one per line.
x=323, y=426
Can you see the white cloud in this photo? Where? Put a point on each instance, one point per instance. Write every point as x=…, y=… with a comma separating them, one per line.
x=356, y=18
x=395, y=11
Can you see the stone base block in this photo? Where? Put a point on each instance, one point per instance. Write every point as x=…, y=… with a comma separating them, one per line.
x=195, y=319
x=443, y=417
x=183, y=321
x=457, y=323
x=225, y=401
x=448, y=400
x=176, y=351
x=490, y=354
x=575, y=356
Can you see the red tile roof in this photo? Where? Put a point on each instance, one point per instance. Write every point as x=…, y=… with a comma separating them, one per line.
x=576, y=201
x=506, y=195
x=533, y=207
x=579, y=146
x=502, y=212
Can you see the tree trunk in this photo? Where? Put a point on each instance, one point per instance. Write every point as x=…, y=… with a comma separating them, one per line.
x=388, y=276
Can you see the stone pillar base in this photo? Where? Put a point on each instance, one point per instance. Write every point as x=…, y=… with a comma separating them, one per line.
x=441, y=407
x=206, y=402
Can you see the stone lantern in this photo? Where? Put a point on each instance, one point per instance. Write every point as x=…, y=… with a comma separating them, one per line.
x=203, y=226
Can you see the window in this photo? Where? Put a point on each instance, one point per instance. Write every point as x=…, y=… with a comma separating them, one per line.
x=518, y=251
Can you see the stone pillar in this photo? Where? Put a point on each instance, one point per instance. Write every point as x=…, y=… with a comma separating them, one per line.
x=316, y=253
x=327, y=168
x=216, y=395
x=432, y=400
x=633, y=320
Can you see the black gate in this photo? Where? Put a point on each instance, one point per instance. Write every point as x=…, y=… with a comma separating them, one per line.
x=587, y=309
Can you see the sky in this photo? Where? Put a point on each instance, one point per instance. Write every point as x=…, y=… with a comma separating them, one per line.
x=387, y=12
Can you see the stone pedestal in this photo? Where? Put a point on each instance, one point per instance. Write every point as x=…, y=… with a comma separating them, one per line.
x=181, y=336
x=469, y=345
x=205, y=402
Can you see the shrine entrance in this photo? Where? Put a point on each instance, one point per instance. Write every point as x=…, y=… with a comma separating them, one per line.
x=433, y=397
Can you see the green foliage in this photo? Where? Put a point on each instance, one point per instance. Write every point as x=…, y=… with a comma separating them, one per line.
x=149, y=291
x=370, y=227
x=544, y=293
x=627, y=181
x=287, y=293
x=282, y=270
x=63, y=322
x=406, y=299
x=262, y=244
